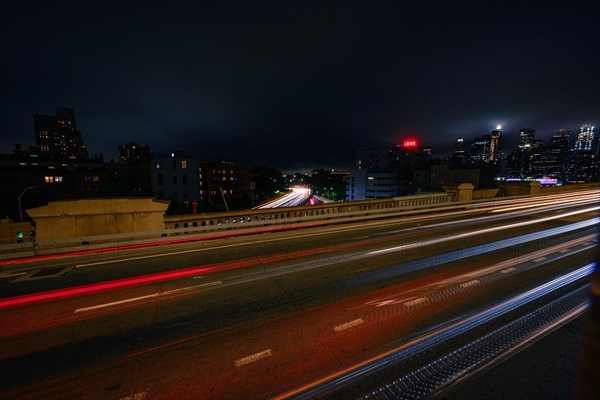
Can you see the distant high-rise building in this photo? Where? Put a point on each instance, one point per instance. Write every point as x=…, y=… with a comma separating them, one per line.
x=57, y=136
x=460, y=155
x=585, y=138
x=479, y=151
x=557, y=156
x=561, y=139
x=495, y=154
x=486, y=149
x=526, y=138
x=134, y=153
x=551, y=161
x=528, y=152
x=584, y=160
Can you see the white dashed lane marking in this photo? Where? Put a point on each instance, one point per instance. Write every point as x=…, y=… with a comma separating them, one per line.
x=348, y=325
x=253, y=358
x=416, y=301
x=469, y=283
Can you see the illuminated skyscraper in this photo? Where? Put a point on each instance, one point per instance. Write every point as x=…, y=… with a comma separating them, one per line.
x=479, y=151
x=526, y=138
x=57, y=137
x=528, y=153
x=585, y=157
x=460, y=155
x=486, y=149
x=585, y=138
x=495, y=154
x=560, y=139
x=553, y=160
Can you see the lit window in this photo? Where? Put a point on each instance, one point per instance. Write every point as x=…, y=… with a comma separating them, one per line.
x=183, y=164
x=48, y=179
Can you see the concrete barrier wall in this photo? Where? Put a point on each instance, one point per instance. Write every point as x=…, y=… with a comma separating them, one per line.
x=9, y=230
x=71, y=223
x=284, y=214
x=485, y=193
x=568, y=188
x=92, y=217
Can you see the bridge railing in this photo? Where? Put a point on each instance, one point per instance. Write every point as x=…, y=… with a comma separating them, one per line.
x=263, y=217
x=199, y=225
x=210, y=223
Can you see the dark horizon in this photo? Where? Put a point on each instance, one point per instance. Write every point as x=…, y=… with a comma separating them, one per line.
x=296, y=86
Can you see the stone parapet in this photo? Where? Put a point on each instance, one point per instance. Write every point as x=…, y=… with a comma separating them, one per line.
x=94, y=217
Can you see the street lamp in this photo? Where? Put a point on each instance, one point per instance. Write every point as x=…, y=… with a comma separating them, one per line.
x=19, y=200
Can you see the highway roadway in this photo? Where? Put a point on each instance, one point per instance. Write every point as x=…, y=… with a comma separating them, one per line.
x=330, y=311
x=297, y=196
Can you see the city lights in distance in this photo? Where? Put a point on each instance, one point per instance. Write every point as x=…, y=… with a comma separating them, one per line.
x=409, y=143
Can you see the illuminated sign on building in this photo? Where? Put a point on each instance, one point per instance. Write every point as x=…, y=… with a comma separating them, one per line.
x=409, y=143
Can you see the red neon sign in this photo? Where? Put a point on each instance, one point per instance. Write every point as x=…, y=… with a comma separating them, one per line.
x=409, y=143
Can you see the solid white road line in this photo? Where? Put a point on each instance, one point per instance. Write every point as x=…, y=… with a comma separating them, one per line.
x=148, y=296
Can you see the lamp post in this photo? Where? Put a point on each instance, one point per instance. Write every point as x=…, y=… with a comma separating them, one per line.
x=19, y=201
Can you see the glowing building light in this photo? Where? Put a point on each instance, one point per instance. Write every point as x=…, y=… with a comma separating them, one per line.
x=409, y=143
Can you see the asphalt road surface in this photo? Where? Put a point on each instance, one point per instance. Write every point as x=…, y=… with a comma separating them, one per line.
x=275, y=314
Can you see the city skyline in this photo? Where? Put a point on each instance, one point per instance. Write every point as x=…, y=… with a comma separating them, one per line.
x=508, y=142
x=297, y=85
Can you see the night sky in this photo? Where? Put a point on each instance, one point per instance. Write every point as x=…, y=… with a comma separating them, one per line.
x=297, y=84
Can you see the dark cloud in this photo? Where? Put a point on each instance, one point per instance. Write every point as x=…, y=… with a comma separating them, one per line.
x=297, y=83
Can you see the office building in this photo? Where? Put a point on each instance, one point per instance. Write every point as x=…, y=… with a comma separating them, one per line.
x=584, y=158
x=134, y=154
x=382, y=172
x=57, y=137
